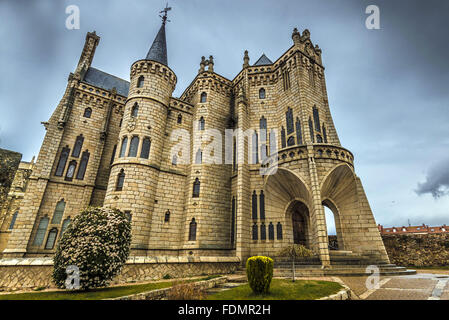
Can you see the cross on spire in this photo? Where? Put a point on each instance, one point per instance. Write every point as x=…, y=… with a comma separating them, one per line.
x=164, y=16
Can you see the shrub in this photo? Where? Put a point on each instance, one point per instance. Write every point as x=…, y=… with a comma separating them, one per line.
x=259, y=271
x=96, y=242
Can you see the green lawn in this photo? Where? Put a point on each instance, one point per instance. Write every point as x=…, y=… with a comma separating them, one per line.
x=282, y=290
x=98, y=294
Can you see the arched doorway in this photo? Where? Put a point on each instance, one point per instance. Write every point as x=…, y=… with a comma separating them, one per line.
x=300, y=223
x=333, y=225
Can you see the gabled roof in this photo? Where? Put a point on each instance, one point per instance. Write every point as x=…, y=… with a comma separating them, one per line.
x=158, y=50
x=263, y=61
x=106, y=81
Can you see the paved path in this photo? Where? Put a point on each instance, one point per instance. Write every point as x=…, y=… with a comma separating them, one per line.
x=421, y=286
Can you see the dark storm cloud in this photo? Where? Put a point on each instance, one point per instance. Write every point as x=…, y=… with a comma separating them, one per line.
x=437, y=180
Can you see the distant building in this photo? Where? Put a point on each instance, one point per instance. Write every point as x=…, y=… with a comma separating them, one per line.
x=423, y=229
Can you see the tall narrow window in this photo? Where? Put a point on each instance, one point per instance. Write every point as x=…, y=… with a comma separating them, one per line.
x=128, y=215
x=263, y=138
x=291, y=141
x=59, y=212
x=114, y=150
x=199, y=157
x=167, y=216
x=324, y=134
x=316, y=119
x=263, y=231
x=40, y=234
x=65, y=224
x=13, y=220
x=124, y=146
x=78, y=146
x=279, y=231
x=135, y=110
x=283, y=142
x=71, y=171
x=262, y=205
x=233, y=207
x=234, y=155
x=312, y=135
x=255, y=147
x=298, y=131
x=319, y=139
x=120, y=180
x=87, y=113
x=133, y=147
x=174, y=160
x=262, y=93
x=254, y=205
x=201, y=124
x=203, y=97
x=192, y=230
x=271, y=231
x=196, y=188
x=62, y=162
x=255, y=232
x=145, y=152
x=140, y=81
x=51, y=239
x=179, y=118
x=289, y=120
x=83, y=165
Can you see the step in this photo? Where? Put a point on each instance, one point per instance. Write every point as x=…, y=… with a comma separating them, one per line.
x=341, y=272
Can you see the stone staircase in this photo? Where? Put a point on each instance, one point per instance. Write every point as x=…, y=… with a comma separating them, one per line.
x=343, y=263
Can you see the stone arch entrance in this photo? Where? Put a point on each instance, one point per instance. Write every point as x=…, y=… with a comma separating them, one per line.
x=339, y=245
x=298, y=212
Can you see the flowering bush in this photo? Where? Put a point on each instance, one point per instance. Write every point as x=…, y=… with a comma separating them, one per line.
x=97, y=244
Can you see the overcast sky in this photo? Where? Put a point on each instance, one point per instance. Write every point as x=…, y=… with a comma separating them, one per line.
x=388, y=88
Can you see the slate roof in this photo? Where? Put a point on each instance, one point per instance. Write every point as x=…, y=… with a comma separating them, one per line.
x=263, y=61
x=158, y=50
x=106, y=81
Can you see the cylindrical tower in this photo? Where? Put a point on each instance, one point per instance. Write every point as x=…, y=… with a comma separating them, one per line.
x=134, y=172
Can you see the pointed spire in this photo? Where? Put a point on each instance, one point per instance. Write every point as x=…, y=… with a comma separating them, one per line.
x=158, y=50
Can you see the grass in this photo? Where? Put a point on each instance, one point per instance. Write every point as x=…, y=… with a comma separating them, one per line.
x=281, y=289
x=97, y=294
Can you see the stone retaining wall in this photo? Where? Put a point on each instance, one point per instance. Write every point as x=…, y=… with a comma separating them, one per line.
x=418, y=250
x=31, y=273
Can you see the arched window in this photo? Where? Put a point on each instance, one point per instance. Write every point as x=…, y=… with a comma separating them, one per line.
x=51, y=239
x=196, y=188
x=255, y=147
x=192, y=230
x=78, y=146
x=255, y=232
x=234, y=154
x=13, y=220
x=298, y=131
x=262, y=205
x=83, y=165
x=319, y=139
x=263, y=231
x=120, y=123
x=140, y=81
x=254, y=205
x=199, y=157
x=87, y=113
x=146, y=145
x=262, y=93
x=233, y=207
x=128, y=215
x=289, y=120
x=291, y=141
x=201, y=124
x=203, y=97
x=62, y=161
x=113, y=154
x=120, y=180
x=316, y=119
x=312, y=135
x=135, y=110
x=59, y=212
x=167, y=216
x=279, y=231
x=124, y=146
x=40, y=234
x=271, y=231
x=179, y=118
x=283, y=142
x=71, y=171
x=263, y=138
x=133, y=147
x=65, y=224
x=324, y=134
x=174, y=160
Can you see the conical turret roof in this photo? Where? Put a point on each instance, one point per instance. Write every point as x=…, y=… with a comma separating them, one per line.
x=158, y=50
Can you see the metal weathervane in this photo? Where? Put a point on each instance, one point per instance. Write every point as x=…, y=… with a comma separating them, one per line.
x=164, y=16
